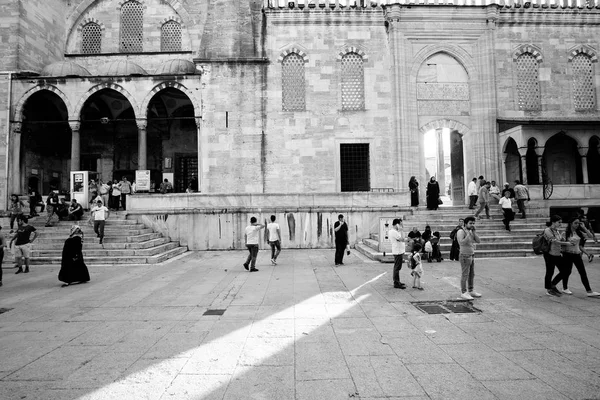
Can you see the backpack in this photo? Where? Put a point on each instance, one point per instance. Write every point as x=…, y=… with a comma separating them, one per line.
x=540, y=244
x=413, y=262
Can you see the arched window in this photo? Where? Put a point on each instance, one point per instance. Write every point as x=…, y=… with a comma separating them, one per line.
x=584, y=92
x=531, y=163
x=528, y=83
x=353, y=82
x=170, y=36
x=132, y=27
x=293, y=83
x=91, y=38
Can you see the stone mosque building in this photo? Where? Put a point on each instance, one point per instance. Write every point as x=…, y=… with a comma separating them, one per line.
x=320, y=105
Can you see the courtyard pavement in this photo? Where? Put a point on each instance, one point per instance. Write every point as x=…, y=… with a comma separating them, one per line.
x=303, y=329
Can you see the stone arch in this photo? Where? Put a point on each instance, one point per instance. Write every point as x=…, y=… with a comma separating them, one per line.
x=169, y=19
x=583, y=49
x=90, y=21
x=528, y=48
x=509, y=140
x=18, y=117
x=121, y=2
x=451, y=124
x=102, y=86
x=174, y=85
x=352, y=49
x=456, y=52
x=291, y=50
x=85, y=5
x=563, y=160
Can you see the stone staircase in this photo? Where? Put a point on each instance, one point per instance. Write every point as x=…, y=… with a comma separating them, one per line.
x=495, y=240
x=126, y=241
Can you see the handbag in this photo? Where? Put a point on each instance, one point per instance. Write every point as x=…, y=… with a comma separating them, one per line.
x=440, y=201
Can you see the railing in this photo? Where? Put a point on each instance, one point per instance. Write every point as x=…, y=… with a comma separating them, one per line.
x=341, y=4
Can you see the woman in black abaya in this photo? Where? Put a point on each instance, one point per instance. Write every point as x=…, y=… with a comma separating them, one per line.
x=72, y=266
x=433, y=194
x=413, y=185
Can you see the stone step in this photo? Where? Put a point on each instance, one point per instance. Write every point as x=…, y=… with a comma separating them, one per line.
x=109, y=243
x=89, y=232
x=87, y=253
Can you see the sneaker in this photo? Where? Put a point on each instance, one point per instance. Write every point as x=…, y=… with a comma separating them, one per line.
x=593, y=294
x=553, y=292
x=273, y=261
x=421, y=288
x=475, y=294
x=19, y=270
x=254, y=270
x=566, y=291
x=466, y=296
x=246, y=266
x=399, y=285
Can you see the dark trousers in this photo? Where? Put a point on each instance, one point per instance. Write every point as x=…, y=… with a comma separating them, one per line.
x=472, y=201
x=99, y=228
x=124, y=200
x=114, y=202
x=398, y=259
x=569, y=259
x=551, y=263
x=509, y=215
x=275, y=249
x=483, y=206
x=521, y=205
x=251, y=260
x=1, y=259
x=13, y=217
x=339, y=252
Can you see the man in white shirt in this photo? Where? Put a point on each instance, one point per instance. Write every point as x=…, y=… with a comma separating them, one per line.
x=251, y=238
x=472, y=192
x=100, y=214
x=506, y=204
x=274, y=239
x=396, y=236
x=495, y=191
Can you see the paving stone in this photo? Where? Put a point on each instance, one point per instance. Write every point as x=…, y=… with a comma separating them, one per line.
x=331, y=389
x=526, y=389
x=264, y=382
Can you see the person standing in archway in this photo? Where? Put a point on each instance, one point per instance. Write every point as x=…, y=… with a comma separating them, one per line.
x=413, y=185
x=472, y=192
x=433, y=194
x=125, y=187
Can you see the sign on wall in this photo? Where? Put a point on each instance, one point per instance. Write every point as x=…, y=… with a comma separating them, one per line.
x=142, y=180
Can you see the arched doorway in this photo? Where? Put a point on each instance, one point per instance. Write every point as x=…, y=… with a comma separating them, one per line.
x=45, y=143
x=512, y=163
x=531, y=163
x=444, y=159
x=109, y=136
x=173, y=135
x=562, y=160
x=593, y=160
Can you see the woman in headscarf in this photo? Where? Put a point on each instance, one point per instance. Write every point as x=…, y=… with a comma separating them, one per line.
x=433, y=194
x=413, y=185
x=72, y=267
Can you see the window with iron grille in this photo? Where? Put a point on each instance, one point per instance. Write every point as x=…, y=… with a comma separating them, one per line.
x=91, y=38
x=353, y=82
x=584, y=92
x=170, y=36
x=355, y=167
x=528, y=82
x=293, y=83
x=132, y=27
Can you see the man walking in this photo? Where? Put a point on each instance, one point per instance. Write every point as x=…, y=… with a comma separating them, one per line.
x=125, y=188
x=23, y=238
x=396, y=236
x=251, y=239
x=467, y=239
x=100, y=214
x=506, y=205
x=483, y=200
x=472, y=191
x=521, y=194
x=274, y=239
x=341, y=239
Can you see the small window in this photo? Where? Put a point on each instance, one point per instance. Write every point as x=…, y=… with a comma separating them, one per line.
x=353, y=82
x=170, y=37
x=132, y=27
x=355, y=167
x=528, y=83
x=293, y=83
x=584, y=91
x=91, y=39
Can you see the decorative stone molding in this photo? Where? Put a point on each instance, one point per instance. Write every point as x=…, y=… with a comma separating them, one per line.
x=442, y=91
x=169, y=19
x=528, y=48
x=352, y=49
x=97, y=88
x=142, y=123
x=16, y=128
x=90, y=21
x=175, y=85
x=123, y=2
x=446, y=123
x=75, y=125
x=291, y=50
x=19, y=106
x=583, y=49
x=464, y=58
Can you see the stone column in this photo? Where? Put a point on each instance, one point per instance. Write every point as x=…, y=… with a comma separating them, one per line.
x=441, y=170
x=540, y=169
x=199, y=130
x=75, y=145
x=16, y=157
x=584, y=167
x=523, y=155
x=142, y=124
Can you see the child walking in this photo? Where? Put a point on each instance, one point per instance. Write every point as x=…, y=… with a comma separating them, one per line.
x=416, y=266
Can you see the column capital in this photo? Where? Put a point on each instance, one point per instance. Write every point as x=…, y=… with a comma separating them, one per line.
x=16, y=128
x=392, y=15
x=75, y=125
x=198, y=121
x=523, y=151
x=582, y=151
x=142, y=123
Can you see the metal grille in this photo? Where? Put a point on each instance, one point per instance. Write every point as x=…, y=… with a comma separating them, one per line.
x=353, y=86
x=528, y=83
x=584, y=92
x=354, y=163
x=170, y=37
x=186, y=170
x=91, y=39
x=293, y=83
x=132, y=27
